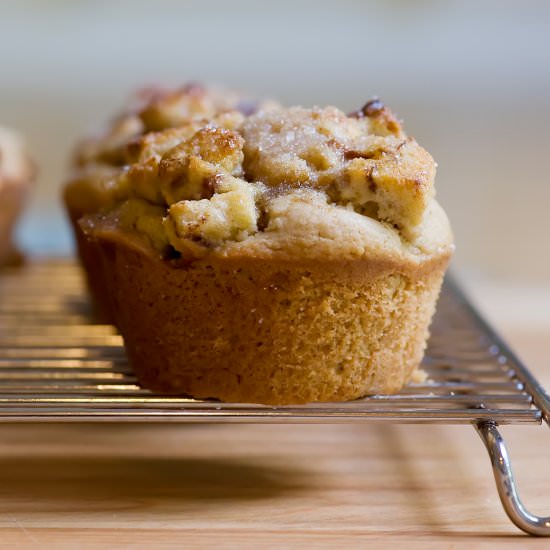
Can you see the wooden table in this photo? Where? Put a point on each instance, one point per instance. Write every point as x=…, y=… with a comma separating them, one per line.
x=314, y=486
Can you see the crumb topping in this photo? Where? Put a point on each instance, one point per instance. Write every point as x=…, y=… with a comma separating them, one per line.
x=193, y=180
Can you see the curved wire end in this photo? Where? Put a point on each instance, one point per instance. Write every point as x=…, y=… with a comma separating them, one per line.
x=506, y=485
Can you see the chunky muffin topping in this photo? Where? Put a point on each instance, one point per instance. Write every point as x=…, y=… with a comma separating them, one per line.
x=359, y=161
x=192, y=183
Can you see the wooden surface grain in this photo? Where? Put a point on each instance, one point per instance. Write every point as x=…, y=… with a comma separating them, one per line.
x=247, y=486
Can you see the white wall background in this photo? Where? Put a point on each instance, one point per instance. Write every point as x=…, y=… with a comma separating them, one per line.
x=471, y=80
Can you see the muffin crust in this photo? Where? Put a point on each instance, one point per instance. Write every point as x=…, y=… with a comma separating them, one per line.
x=273, y=332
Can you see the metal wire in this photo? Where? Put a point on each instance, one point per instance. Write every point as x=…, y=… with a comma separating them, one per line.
x=506, y=485
x=56, y=364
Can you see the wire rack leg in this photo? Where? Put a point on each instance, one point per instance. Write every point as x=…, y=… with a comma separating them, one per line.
x=506, y=485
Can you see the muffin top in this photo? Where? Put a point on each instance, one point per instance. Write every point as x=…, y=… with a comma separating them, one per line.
x=291, y=182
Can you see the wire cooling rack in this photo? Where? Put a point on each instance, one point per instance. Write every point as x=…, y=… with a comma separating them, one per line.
x=56, y=364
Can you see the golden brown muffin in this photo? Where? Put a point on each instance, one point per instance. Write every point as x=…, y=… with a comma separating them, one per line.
x=131, y=147
x=295, y=255
x=16, y=174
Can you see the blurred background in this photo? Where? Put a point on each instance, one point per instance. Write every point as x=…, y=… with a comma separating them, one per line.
x=471, y=80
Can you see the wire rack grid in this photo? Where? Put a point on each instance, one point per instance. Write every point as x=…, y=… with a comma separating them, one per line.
x=56, y=364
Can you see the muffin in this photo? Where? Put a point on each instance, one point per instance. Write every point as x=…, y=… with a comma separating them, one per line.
x=16, y=174
x=156, y=120
x=288, y=256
